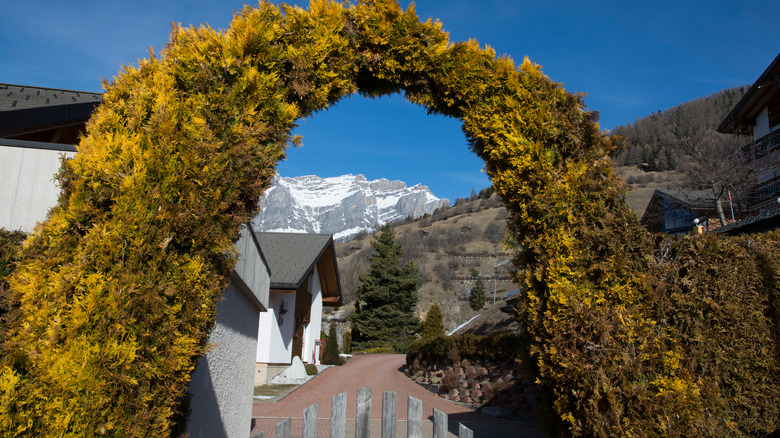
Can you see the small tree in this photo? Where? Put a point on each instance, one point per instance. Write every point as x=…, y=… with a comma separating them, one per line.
x=433, y=326
x=346, y=342
x=331, y=354
x=387, y=297
x=478, y=294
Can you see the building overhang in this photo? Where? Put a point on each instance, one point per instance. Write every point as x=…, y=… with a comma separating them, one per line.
x=764, y=92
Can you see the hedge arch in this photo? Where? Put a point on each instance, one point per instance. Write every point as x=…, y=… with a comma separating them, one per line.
x=116, y=293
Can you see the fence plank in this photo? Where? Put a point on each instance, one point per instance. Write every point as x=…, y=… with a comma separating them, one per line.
x=338, y=416
x=310, y=422
x=389, y=408
x=363, y=417
x=464, y=432
x=439, y=424
x=414, y=418
x=283, y=429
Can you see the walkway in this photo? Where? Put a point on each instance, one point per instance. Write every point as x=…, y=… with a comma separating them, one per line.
x=380, y=373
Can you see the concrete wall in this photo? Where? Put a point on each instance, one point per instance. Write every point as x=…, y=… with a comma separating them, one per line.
x=312, y=332
x=27, y=187
x=275, y=334
x=223, y=383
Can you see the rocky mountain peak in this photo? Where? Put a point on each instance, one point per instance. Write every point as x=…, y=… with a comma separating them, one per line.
x=343, y=205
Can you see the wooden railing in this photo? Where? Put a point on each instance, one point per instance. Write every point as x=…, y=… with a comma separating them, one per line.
x=338, y=419
x=762, y=146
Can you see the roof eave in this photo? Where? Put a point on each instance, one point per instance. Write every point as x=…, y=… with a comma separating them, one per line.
x=736, y=119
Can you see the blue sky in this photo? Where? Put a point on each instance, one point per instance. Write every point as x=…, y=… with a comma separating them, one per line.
x=631, y=58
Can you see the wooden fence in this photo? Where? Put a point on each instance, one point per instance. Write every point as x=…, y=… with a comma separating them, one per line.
x=338, y=419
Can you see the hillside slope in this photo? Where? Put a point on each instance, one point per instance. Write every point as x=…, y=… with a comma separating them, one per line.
x=450, y=248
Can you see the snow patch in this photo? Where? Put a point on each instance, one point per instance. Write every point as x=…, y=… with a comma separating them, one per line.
x=463, y=325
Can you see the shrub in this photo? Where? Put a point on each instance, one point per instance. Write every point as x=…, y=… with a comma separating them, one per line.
x=451, y=380
x=433, y=325
x=496, y=347
x=346, y=342
x=311, y=369
x=331, y=353
x=376, y=350
x=10, y=247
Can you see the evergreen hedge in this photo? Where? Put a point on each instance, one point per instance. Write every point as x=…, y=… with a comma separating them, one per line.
x=115, y=294
x=498, y=347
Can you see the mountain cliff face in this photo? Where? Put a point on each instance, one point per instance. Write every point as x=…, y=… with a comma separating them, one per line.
x=343, y=206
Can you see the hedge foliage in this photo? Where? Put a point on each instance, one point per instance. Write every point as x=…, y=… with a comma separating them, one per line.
x=116, y=292
x=498, y=347
x=10, y=249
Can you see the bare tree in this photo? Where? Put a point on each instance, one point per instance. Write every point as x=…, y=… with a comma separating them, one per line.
x=719, y=164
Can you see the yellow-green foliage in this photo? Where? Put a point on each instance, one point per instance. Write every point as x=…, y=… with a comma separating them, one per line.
x=10, y=245
x=117, y=290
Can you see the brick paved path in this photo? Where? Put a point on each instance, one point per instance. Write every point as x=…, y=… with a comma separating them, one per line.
x=380, y=373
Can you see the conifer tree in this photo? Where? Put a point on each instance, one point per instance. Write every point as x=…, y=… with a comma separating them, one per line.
x=346, y=342
x=478, y=294
x=433, y=325
x=331, y=354
x=388, y=296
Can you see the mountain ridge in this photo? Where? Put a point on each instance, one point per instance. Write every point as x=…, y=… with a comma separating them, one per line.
x=344, y=206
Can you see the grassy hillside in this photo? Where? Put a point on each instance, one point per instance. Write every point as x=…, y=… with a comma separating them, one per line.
x=642, y=184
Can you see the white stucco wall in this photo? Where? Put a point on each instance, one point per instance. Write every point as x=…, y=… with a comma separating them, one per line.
x=223, y=382
x=27, y=187
x=762, y=124
x=312, y=332
x=275, y=338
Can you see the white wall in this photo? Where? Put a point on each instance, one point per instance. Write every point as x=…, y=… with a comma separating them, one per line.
x=27, y=187
x=312, y=332
x=275, y=339
x=762, y=124
x=223, y=382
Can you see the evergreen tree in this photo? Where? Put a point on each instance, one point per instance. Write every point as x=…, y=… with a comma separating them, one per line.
x=433, y=326
x=478, y=294
x=346, y=342
x=331, y=354
x=387, y=295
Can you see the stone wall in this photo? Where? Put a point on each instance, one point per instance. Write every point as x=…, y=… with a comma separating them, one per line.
x=496, y=388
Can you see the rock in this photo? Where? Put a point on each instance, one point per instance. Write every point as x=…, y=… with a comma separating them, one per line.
x=295, y=373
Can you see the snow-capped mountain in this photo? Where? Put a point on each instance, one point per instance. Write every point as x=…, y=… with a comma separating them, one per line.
x=342, y=205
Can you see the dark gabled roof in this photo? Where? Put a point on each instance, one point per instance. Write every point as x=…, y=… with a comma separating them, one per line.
x=765, y=90
x=25, y=109
x=291, y=257
x=697, y=200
